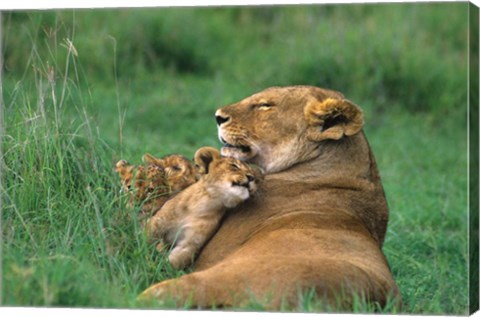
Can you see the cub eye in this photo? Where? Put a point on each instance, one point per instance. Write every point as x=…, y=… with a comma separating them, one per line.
x=176, y=168
x=234, y=166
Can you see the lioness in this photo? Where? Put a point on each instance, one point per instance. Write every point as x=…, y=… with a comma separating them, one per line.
x=190, y=218
x=320, y=220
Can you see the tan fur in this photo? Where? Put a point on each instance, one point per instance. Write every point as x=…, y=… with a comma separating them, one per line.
x=179, y=171
x=190, y=218
x=141, y=182
x=152, y=185
x=319, y=220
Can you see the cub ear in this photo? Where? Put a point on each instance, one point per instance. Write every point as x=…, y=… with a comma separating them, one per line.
x=332, y=119
x=258, y=172
x=121, y=165
x=123, y=168
x=148, y=158
x=204, y=156
x=141, y=173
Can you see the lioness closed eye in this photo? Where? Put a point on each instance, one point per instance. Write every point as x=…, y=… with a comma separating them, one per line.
x=189, y=219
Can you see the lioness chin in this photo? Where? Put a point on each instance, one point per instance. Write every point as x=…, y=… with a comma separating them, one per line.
x=318, y=221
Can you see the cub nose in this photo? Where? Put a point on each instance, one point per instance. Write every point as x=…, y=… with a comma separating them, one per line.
x=250, y=178
x=220, y=119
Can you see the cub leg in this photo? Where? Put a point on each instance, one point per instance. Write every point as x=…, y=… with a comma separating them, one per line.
x=193, y=239
x=156, y=227
x=156, y=230
x=182, y=256
x=160, y=246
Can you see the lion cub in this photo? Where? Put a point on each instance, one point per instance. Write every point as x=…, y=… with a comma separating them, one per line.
x=190, y=218
x=152, y=185
x=179, y=171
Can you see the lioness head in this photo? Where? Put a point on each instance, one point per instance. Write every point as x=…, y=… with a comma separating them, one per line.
x=282, y=126
x=227, y=177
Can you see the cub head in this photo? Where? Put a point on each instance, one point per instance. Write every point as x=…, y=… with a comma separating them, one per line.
x=282, y=126
x=179, y=171
x=141, y=182
x=227, y=177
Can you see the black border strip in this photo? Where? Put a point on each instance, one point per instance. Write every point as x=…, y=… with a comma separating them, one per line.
x=473, y=120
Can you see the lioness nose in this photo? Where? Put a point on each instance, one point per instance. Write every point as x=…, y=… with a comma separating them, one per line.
x=220, y=119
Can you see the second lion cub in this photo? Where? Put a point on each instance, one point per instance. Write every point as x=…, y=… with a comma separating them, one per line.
x=152, y=185
x=189, y=219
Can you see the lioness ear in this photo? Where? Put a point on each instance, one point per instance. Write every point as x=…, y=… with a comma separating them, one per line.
x=332, y=119
x=204, y=156
x=150, y=159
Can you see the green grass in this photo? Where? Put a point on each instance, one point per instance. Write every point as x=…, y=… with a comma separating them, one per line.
x=151, y=81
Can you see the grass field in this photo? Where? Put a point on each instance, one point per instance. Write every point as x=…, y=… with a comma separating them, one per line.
x=82, y=89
